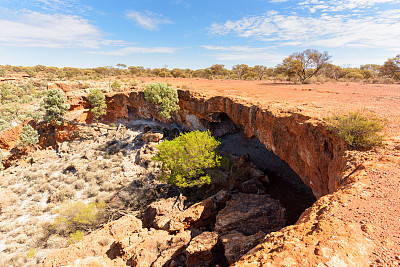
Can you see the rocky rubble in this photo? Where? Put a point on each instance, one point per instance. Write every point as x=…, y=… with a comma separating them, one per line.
x=171, y=237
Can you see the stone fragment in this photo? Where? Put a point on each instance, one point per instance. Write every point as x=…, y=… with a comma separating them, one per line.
x=152, y=137
x=198, y=252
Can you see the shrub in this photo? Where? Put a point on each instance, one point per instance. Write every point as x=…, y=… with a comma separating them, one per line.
x=166, y=98
x=76, y=236
x=1, y=161
x=185, y=158
x=98, y=101
x=115, y=85
x=359, y=129
x=31, y=253
x=29, y=136
x=79, y=216
x=54, y=106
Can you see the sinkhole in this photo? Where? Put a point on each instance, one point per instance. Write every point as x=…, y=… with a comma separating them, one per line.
x=285, y=184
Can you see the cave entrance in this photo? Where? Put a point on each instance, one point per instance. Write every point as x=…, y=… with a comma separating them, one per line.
x=285, y=184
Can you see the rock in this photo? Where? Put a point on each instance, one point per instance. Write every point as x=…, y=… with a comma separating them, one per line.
x=152, y=247
x=237, y=244
x=152, y=137
x=10, y=138
x=198, y=252
x=198, y=215
x=127, y=244
x=65, y=86
x=249, y=214
x=253, y=186
x=156, y=210
x=92, y=245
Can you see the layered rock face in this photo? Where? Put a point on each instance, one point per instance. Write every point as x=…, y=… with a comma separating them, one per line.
x=314, y=153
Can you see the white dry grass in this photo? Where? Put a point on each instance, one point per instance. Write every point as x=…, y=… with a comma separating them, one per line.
x=43, y=186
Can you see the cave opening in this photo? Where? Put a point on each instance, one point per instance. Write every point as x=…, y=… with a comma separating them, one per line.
x=285, y=184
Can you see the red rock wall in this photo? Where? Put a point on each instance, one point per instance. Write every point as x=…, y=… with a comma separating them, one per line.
x=313, y=152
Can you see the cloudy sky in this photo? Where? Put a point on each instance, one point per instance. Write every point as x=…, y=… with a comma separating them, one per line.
x=195, y=34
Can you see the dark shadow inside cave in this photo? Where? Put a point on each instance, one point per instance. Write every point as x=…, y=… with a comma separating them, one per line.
x=285, y=184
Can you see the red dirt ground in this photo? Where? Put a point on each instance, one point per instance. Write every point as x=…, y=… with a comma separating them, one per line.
x=378, y=208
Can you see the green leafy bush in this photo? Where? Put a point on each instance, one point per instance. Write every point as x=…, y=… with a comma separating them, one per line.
x=54, y=106
x=98, y=101
x=166, y=98
x=79, y=216
x=359, y=129
x=29, y=136
x=186, y=158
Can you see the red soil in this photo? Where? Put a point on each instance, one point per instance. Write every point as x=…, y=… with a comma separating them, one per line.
x=378, y=208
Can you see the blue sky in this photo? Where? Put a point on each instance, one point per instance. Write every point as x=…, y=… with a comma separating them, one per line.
x=195, y=34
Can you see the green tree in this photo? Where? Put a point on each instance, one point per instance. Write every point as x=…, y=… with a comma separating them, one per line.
x=391, y=67
x=164, y=97
x=29, y=136
x=3, y=72
x=31, y=72
x=260, y=70
x=121, y=66
x=54, y=106
x=98, y=101
x=305, y=64
x=240, y=70
x=186, y=158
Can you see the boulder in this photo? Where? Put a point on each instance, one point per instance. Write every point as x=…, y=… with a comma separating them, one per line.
x=249, y=214
x=198, y=252
x=237, y=244
x=156, y=210
x=199, y=215
x=253, y=186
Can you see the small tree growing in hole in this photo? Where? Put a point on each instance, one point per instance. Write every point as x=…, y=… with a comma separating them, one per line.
x=163, y=96
x=185, y=158
x=359, y=129
x=29, y=136
x=54, y=106
x=98, y=101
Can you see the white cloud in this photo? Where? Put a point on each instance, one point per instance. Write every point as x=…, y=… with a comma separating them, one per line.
x=126, y=51
x=147, y=20
x=244, y=53
x=34, y=29
x=54, y=6
x=342, y=5
x=382, y=30
x=233, y=48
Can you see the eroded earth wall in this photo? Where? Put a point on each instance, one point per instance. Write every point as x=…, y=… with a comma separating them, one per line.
x=313, y=152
